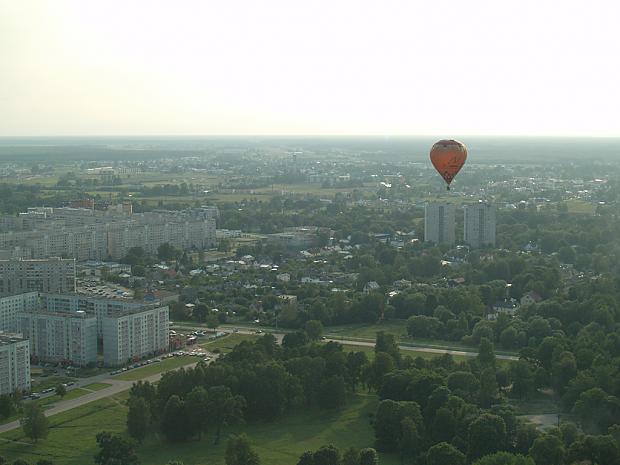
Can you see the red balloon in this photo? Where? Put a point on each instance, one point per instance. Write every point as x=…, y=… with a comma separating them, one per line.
x=448, y=157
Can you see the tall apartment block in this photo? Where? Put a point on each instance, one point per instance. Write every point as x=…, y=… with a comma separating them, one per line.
x=14, y=364
x=19, y=275
x=128, y=337
x=479, y=224
x=69, y=337
x=85, y=234
x=97, y=306
x=14, y=305
x=439, y=223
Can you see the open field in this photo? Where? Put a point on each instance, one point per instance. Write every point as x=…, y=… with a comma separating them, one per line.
x=71, y=440
x=226, y=343
x=155, y=368
x=579, y=206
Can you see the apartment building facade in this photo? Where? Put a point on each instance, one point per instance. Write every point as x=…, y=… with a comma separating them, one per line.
x=19, y=275
x=68, y=337
x=132, y=336
x=14, y=364
x=439, y=223
x=12, y=306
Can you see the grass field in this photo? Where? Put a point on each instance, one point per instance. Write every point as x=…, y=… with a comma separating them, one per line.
x=579, y=206
x=96, y=386
x=71, y=440
x=155, y=368
x=226, y=343
x=49, y=382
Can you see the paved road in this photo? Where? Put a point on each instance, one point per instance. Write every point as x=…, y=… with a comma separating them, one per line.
x=409, y=347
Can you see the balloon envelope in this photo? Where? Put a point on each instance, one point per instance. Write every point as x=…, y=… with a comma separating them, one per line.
x=448, y=157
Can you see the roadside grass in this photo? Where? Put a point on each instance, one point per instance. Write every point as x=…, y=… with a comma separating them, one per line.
x=155, y=368
x=71, y=439
x=40, y=384
x=96, y=386
x=368, y=332
x=226, y=343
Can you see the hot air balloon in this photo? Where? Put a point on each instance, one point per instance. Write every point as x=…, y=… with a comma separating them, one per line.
x=448, y=157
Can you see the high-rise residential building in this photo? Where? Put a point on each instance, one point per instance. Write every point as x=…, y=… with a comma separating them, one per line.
x=132, y=336
x=479, y=224
x=439, y=223
x=14, y=364
x=19, y=275
x=97, y=306
x=85, y=234
x=69, y=337
x=12, y=306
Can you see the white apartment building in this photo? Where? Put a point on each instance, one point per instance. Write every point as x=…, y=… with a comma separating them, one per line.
x=14, y=364
x=132, y=336
x=85, y=234
x=69, y=337
x=97, y=306
x=19, y=275
x=439, y=224
x=479, y=224
x=14, y=305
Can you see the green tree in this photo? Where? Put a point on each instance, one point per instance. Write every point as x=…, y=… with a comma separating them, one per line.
x=314, y=329
x=166, y=252
x=444, y=425
x=61, y=390
x=547, y=450
x=223, y=408
x=444, y=454
x=351, y=456
x=114, y=450
x=34, y=422
x=332, y=393
x=7, y=407
x=327, y=455
x=307, y=458
x=197, y=408
x=174, y=422
x=487, y=434
x=385, y=342
x=488, y=387
x=504, y=458
x=239, y=451
x=138, y=418
x=410, y=443
x=486, y=354
x=369, y=456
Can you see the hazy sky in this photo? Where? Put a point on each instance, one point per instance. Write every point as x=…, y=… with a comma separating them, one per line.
x=309, y=67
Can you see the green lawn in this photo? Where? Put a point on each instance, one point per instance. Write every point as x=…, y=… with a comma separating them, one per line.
x=155, y=368
x=96, y=386
x=580, y=206
x=226, y=343
x=41, y=383
x=71, y=440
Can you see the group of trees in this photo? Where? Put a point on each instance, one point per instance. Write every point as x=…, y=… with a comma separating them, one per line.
x=259, y=380
x=330, y=455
